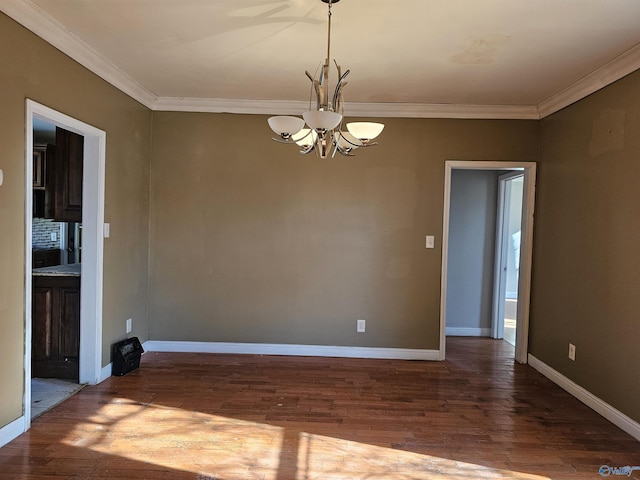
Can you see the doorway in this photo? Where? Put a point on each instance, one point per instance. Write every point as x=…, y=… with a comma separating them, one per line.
x=56, y=217
x=507, y=256
x=528, y=171
x=90, y=341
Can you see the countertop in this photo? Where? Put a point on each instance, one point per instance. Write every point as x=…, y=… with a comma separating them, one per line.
x=71, y=270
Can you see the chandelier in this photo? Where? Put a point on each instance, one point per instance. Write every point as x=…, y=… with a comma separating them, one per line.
x=326, y=127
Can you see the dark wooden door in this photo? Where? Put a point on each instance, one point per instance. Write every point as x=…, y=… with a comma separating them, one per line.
x=67, y=181
x=55, y=327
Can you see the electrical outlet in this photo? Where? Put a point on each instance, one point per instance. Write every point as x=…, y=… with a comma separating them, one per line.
x=129, y=322
x=572, y=352
x=361, y=325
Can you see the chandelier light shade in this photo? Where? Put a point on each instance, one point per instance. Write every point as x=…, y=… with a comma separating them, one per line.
x=322, y=119
x=306, y=138
x=365, y=131
x=325, y=133
x=285, y=126
x=346, y=143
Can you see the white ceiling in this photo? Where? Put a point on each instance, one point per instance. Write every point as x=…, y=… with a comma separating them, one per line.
x=493, y=58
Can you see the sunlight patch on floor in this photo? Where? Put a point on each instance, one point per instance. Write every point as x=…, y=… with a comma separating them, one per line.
x=228, y=449
x=323, y=458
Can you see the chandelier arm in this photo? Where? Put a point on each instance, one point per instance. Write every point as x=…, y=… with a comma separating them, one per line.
x=280, y=140
x=310, y=132
x=305, y=151
x=350, y=142
x=338, y=92
x=343, y=151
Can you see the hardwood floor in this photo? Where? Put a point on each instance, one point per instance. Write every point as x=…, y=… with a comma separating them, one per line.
x=226, y=417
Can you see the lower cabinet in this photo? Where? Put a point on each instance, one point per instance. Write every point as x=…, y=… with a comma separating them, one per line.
x=55, y=317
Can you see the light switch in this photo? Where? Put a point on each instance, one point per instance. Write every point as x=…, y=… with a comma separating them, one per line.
x=431, y=242
x=1, y=176
x=106, y=230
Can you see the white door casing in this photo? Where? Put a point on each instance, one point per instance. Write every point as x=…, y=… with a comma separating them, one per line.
x=528, y=169
x=500, y=263
x=93, y=184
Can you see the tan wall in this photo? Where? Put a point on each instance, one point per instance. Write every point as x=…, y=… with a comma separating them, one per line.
x=253, y=242
x=586, y=275
x=33, y=69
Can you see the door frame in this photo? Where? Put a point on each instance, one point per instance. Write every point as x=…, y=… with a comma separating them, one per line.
x=91, y=287
x=499, y=283
x=526, y=247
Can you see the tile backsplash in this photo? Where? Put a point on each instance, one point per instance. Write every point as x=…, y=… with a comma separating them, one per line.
x=42, y=230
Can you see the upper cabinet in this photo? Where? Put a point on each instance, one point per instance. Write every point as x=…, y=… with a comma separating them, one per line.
x=42, y=160
x=57, y=178
x=67, y=177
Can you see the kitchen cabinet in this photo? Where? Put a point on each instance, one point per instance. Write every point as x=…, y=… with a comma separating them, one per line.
x=55, y=326
x=45, y=257
x=66, y=188
x=57, y=178
x=42, y=187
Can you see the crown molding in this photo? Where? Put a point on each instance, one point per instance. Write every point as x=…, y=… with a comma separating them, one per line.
x=39, y=22
x=353, y=109
x=43, y=25
x=610, y=72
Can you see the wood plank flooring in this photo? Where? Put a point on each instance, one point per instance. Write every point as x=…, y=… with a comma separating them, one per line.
x=477, y=415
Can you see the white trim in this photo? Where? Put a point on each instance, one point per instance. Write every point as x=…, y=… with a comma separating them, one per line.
x=39, y=22
x=468, y=332
x=287, y=349
x=11, y=431
x=444, y=262
x=497, y=318
x=28, y=266
x=93, y=245
x=105, y=372
x=353, y=109
x=589, y=399
x=91, y=286
x=46, y=27
x=525, y=264
x=524, y=283
x=500, y=260
x=610, y=72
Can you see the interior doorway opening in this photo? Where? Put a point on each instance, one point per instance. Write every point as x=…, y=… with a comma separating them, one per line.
x=91, y=268
x=56, y=269
x=527, y=171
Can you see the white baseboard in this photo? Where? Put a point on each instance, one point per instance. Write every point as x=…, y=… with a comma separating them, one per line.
x=296, y=350
x=105, y=372
x=589, y=399
x=468, y=332
x=11, y=431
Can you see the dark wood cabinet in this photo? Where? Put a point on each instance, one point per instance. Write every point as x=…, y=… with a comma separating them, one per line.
x=43, y=159
x=57, y=178
x=55, y=327
x=67, y=176
x=46, y=257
